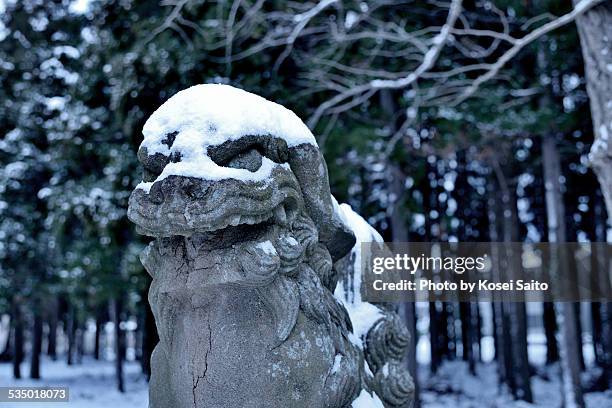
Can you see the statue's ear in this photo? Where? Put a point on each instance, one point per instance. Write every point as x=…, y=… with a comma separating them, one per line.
x=309, y=167
x=342, y=239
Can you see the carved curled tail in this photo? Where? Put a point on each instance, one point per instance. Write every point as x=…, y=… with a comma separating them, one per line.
x=386, y=345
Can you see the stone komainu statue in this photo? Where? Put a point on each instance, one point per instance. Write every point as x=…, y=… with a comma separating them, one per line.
x=249, y=249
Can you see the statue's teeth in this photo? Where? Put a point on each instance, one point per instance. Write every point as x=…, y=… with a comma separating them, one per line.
x=235, y=220
x=280, y=216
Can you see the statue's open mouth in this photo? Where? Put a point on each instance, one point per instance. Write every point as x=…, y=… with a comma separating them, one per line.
x=183, y=205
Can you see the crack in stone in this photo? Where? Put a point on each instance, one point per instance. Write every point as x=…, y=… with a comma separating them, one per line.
x=196, y=380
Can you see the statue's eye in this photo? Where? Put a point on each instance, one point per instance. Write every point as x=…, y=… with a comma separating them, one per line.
x=152, y=164
x=247, y=152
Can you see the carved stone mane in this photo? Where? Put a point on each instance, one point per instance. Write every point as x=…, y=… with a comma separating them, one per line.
x=248, y=250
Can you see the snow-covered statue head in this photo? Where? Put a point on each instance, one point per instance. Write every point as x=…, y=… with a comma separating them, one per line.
x=249, y=249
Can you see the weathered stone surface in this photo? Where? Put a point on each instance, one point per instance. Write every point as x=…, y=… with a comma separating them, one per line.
x=243, y=279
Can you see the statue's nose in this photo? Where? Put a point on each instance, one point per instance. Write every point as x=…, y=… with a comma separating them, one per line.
x=250, y=160
x=195, y=189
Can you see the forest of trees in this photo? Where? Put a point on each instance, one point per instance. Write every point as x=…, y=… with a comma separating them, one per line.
x=439, y=120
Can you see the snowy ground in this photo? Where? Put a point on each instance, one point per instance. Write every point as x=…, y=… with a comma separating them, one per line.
x=91, y=384
x=453, y=386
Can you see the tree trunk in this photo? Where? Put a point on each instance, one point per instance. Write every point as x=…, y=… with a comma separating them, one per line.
x=579, y=341
x=566, y=313
x=570, y=366
x=434, y=338
x=37, y=333
x=515, y=321
x=518, y=327
x=466, y=313
x=517, y=310
x=437, y=321
x=596, y=333
x=449, y=334
x=70, y=332
x=595, y=30
x=477, y=324
x=117, y=308
x=52, y=336
x=149, y=341
x=500, y=335
x=550, y=332
x=17, y=337
x=508, y=351
x=98, y=334
x=596, y=278
x=438, y=328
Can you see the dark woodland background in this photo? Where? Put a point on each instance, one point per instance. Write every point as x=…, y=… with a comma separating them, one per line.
x=428, y=162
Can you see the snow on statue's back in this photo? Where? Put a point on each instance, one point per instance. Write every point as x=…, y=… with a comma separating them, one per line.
x=363, y=314
x=249, y=247
x=377, y=329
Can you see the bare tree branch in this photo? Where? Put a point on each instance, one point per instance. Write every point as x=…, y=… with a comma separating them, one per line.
x=169, y=22
x=352, y=50
x=302, y=21
x=580, y=9
x=428, y=62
